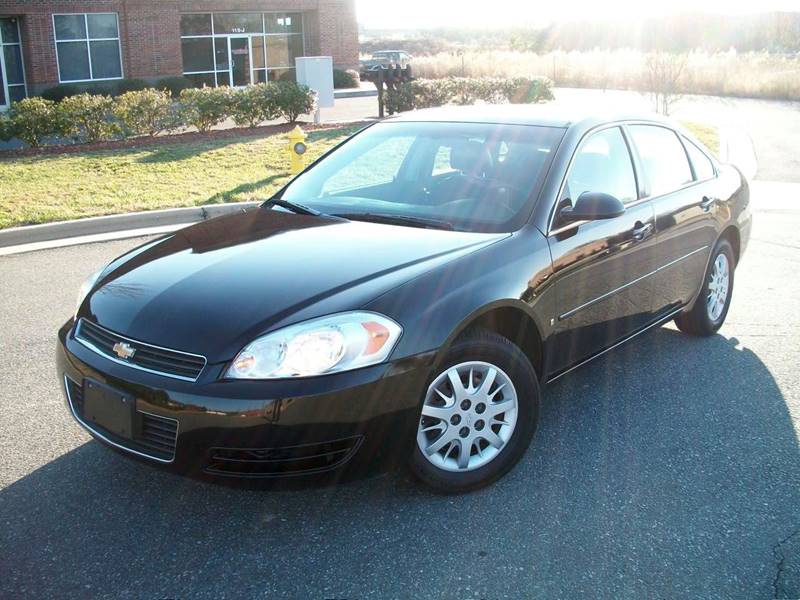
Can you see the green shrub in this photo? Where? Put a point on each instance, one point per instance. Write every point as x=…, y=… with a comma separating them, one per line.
x=100, y=88
x=124, y=86
x=88, y=118
x=530, y=90
x=205, y=107
x=427, y=93
x=420, y=93
x=174, y=85
x=467, y=91
x=59, y=92
x=146, y=112
x=255, y=104
x=6, y=132
x=34, y=119
x=294, y=100
x=345, y=79
x=287, y=75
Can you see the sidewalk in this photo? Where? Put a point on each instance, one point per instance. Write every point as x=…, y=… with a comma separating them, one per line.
x=775, y=196
x=365, y=90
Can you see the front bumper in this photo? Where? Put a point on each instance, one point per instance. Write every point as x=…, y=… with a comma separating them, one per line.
x=341, y=424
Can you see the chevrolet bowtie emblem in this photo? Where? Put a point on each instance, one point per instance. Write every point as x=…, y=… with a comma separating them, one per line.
x=123, y=350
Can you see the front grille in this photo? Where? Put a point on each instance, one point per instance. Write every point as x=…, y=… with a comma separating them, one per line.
x=281, y=462
x=153, y=436
x=146, y=357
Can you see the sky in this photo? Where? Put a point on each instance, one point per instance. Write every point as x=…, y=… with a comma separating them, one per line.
x=426, y=14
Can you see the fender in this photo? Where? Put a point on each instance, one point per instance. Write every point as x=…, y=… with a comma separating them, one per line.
x=476, y=316
x=442, y=303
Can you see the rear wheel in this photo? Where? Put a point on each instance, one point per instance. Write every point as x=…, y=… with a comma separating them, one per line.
x=479, y=415
x=711, y=307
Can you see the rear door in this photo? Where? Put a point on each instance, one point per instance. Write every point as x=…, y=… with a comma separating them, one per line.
x=601, y=268
x=683, y=195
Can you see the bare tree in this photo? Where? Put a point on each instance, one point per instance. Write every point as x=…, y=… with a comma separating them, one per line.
x=663, y=75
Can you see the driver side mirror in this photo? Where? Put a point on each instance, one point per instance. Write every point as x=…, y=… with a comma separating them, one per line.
x=592, y=206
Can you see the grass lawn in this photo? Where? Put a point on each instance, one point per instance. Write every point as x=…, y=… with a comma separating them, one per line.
x=58, y=187
x=42, y=189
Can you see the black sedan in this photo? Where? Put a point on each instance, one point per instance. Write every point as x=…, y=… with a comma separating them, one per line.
x=403, y=300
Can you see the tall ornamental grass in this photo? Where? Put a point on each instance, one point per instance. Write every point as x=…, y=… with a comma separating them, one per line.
x=752, y=74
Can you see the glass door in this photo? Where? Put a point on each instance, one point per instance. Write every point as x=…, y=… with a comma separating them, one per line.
x=240, y=62
x=12, y=72
x=3, y=86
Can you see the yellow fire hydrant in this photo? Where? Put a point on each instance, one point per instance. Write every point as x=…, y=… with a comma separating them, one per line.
x=297, y=149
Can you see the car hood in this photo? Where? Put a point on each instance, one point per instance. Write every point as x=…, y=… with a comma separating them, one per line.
x=211, y=288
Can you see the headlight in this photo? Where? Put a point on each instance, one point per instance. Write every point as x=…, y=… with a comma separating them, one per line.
x=317, y=347
x=86, y=288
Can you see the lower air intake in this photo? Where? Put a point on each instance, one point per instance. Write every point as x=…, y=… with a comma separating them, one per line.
x=281, y=462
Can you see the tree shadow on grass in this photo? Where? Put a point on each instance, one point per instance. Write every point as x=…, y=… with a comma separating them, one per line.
x=332, y=134
x=174, y=153
x=668, y=468
x=256, y=188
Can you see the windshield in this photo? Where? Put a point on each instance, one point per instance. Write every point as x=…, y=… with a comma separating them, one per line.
x=464, y=176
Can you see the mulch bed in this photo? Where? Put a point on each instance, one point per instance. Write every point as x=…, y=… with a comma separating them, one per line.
x=165, y=140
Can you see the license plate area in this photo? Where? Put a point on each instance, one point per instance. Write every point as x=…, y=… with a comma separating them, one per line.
x=109, y=409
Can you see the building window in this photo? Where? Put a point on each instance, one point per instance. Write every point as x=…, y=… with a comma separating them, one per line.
x=12, y=71
x=87, y=47
x=235, y=49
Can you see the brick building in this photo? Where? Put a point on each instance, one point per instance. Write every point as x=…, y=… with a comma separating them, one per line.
x=212, y=42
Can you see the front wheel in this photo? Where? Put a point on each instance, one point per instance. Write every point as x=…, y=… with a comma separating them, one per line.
x=711, y=307
x=478, y=416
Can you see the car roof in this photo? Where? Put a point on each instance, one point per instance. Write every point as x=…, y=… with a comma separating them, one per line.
x=543, y=115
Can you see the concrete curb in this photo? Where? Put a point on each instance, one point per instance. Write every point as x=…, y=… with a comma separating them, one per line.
x=34, y=234
x=767, y=197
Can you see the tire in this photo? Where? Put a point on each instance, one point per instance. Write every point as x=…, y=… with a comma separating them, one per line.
x=701, y=319
x=449, y=413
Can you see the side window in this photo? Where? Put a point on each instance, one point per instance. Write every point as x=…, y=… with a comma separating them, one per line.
x=703, y=167
x=663, y=158
x=376, y=166
x=603, y=164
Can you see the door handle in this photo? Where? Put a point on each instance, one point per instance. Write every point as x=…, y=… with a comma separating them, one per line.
x=642, y=231
x=708, y=202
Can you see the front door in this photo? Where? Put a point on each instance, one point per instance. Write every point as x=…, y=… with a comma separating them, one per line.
x=239, y=48
x=602, y=268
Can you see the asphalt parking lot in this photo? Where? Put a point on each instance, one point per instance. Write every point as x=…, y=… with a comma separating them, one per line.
x=670, y=468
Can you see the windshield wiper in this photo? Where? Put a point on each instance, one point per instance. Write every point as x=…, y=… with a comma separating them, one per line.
x=292, y=206
x=406, y=220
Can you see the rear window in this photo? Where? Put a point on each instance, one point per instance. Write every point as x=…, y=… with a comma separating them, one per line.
x=663, y=157
x=703, y=167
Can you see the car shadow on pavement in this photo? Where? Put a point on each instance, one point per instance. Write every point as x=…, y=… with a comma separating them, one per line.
x=668, y=468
